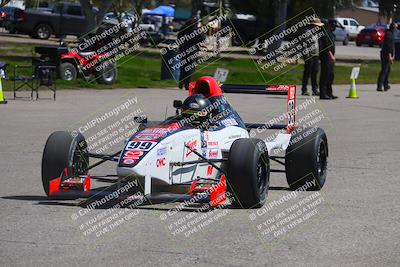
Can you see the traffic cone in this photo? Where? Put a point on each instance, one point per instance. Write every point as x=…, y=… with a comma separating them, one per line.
x=2, y=99
x=353, y=89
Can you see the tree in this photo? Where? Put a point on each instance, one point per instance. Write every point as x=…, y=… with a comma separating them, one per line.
x=93, y=19
x=387, y=8
x=4, y=2
x=270, y=14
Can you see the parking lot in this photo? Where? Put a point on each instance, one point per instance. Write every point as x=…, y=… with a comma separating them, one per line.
x=354, y=223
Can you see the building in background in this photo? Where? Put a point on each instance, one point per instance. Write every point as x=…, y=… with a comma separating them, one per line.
x=17, y=3
x=366, y=14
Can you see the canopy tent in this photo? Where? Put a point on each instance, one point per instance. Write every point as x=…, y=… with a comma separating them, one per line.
x=165, y=11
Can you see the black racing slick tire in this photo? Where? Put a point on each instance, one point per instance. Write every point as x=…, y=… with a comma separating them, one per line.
x=63, y=150
x=306, y=159
x=248, y=173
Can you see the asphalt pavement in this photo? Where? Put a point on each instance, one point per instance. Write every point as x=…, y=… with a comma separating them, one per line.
x=353, y=221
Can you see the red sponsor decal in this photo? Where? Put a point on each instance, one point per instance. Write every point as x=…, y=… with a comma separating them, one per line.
x=212, y=154
x=210, y=170
x=212, y=143
x=192, y=144
x=291, y=109
x=152, y=134
x=218, y=193
x=131, y=156
x=277, y=88
x=160, y=162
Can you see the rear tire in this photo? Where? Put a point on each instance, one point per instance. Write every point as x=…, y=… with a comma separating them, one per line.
x=107, y=75
x=68, y=71
x=248, y=173
x=63, y=151
x=306, y=160
x=346, y=40
x=43, y=31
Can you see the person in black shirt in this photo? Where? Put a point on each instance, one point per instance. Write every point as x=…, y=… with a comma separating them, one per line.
x=311, y=60
x=327, y=58
x=386, y=58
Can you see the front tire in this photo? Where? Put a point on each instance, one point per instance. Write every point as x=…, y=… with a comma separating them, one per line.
x=248, y=173
x=63, y=151
x=306, y=159
x=68, y=71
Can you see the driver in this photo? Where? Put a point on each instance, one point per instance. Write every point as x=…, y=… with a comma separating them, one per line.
x=197, y=110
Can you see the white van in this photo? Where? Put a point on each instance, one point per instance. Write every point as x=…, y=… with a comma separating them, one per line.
x=351, y=25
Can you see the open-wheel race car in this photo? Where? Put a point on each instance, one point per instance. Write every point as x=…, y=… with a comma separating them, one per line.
x=205, y=150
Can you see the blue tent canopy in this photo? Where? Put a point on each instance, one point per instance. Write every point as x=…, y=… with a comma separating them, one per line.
x=165, y=11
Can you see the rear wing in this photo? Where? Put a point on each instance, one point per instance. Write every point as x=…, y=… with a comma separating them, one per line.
x=289, y=90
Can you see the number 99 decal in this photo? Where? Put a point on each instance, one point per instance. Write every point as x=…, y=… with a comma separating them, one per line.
x=291, y=113
x=139, y=145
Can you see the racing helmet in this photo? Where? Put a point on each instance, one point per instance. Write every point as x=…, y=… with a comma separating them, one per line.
x=196, y=109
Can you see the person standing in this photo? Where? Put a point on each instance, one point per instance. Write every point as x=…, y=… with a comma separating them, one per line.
x=386, y=58
x=327, y=57
x=311, y=59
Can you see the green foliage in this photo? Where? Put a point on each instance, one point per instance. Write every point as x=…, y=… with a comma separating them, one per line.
x=388, y=7
x=139, y=71
x=4, y=2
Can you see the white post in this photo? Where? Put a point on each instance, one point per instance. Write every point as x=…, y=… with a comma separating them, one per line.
x=147, y=182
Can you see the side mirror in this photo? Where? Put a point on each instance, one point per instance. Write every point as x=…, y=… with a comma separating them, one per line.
x=178, y=104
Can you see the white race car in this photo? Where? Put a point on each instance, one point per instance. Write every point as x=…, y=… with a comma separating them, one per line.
x=205, y=150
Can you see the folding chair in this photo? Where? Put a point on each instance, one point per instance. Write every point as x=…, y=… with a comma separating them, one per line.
x=45, y=76
x=24, y=80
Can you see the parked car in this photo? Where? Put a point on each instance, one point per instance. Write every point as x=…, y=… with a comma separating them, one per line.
x=128, y=20
x=64, y=19
x=10, y=16
x=351, y=25
x=341, y=34
x=3, y=16
x=370, y=37
x=382, y=27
